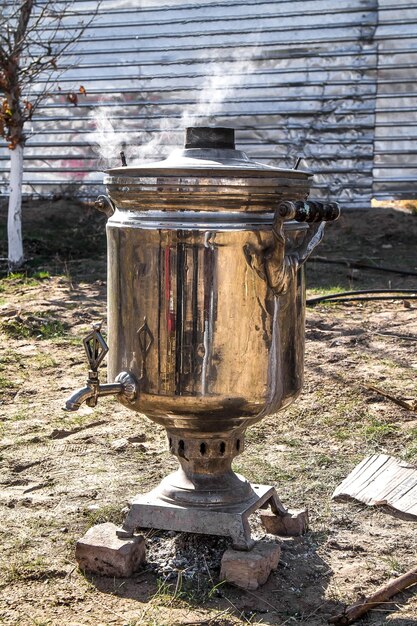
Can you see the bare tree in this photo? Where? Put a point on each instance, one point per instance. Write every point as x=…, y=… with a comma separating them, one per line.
x=34, y=36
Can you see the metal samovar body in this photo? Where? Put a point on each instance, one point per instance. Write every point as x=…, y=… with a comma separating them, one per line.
x=206, y=317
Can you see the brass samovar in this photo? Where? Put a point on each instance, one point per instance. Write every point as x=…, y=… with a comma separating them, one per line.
x=205, y=318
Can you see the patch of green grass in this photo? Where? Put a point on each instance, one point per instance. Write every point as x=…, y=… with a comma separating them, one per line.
x=41, y=275
x=14, y=276
x=20, y=278
x=69, y=341
x=324, y=460
x=19, y=415
x=342, y=434
x=108, y=513
x=9, y=357
x=411, y=448
x=394, y=565
x=183, y=593
x=377, y=430
x=169, y=594
x=5, y=383
x=39, y=326
x=52, y=328
x=23, y=278
x=43, y=361
x=23, y=568
x=328, y=290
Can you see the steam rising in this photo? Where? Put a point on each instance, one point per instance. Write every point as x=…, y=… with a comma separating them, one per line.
x=220, y=84
x=108, y=141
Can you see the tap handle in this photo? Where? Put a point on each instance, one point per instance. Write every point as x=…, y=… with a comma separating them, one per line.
x=95, y=347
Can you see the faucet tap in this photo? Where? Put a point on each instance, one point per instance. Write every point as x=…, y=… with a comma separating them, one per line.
x=125, y=384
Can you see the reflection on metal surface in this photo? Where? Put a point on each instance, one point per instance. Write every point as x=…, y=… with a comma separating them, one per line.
x=145, y=339
x=211, y=316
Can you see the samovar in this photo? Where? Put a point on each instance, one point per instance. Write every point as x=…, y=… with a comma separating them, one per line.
x=206, y=313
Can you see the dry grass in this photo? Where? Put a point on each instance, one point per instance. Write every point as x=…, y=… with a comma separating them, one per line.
x=60, y=474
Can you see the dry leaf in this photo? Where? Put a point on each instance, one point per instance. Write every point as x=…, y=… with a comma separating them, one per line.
x=73, y=98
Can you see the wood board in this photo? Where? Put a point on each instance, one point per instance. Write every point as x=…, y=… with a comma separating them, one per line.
x=382, y=480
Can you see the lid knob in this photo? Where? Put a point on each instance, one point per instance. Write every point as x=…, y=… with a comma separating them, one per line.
x=209, y=137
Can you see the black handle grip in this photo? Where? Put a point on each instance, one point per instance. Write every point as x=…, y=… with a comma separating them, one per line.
x=309, y=211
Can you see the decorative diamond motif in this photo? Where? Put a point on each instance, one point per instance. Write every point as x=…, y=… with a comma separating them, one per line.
x=95, y=347
x=145, y=338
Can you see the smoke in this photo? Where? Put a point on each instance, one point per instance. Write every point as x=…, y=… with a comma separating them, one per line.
x=222, y=80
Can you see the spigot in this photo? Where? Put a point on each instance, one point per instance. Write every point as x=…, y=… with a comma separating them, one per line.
x=125, y=384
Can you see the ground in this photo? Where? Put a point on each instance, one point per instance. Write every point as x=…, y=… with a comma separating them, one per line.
x=62, y=472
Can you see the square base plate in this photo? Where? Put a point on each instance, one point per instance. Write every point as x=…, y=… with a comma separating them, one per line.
x=151, y=511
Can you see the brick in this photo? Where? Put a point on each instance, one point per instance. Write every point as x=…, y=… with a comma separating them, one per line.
x=294, y=524
x=101, y=551
x=250, y=569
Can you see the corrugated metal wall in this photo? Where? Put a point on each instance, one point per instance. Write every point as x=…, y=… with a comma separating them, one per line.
x=395, y=156
x=296, y=77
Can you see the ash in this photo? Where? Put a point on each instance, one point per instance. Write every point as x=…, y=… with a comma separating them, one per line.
x=169, y=553
x=195, y=556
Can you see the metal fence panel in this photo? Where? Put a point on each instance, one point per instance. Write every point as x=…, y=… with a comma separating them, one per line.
x=329, y=81
x=395, y=154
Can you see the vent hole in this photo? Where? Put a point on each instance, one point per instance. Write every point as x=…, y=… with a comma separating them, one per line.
x=238, y=445
x=181, y=446
x=203, y=448
x=222, y=448
x=170, y=443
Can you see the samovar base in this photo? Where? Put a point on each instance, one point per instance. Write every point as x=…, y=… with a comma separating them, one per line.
x=205, y=496
x=150, y=510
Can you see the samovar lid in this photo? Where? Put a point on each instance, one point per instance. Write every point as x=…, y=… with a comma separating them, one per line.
x=208, y=174
x=208, y=151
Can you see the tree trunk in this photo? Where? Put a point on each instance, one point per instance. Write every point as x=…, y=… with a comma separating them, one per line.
x=14, y=220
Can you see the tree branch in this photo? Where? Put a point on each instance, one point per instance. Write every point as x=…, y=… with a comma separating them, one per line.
x=22, y=26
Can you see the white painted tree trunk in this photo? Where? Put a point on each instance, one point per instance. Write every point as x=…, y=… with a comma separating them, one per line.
x=14, y=220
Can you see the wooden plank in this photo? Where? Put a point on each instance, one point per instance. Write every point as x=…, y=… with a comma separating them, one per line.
x=381, y=480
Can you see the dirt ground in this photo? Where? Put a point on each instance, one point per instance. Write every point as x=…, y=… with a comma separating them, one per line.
x=62, y=473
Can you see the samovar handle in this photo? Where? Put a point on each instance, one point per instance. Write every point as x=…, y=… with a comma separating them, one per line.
x=313, y=212
x=280, y=266
x=105, y=205
x=309, y=211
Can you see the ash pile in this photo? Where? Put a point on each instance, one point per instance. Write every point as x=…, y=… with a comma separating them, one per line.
x=195, y=556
